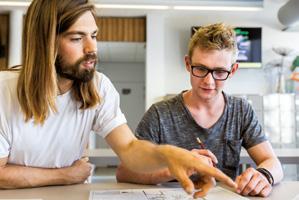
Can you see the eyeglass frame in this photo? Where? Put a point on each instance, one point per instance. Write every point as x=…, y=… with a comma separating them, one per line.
x=211, y=71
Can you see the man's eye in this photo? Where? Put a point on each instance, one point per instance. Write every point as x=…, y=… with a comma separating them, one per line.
x=76, y=39
x=94, y=37
x=201, y=69
x=220, y=71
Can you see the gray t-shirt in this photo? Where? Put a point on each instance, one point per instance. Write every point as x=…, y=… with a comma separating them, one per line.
x=170, y=122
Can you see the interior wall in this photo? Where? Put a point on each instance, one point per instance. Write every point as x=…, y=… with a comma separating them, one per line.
x=176, y=33
x=128, y=79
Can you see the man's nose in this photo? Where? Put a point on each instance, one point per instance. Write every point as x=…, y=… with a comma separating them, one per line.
x=208, y=78
x=90, y=46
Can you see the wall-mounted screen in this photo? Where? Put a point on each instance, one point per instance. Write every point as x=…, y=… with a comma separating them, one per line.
x=249, y=41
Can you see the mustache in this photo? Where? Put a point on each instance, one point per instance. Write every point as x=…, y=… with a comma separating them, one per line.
x=89, y=56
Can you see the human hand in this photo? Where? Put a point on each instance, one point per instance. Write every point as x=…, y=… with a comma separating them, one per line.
x=253, y=183
x=78, y=172
x=181, y=161
x=205, y=152
x=203, y=184
x=205, y=156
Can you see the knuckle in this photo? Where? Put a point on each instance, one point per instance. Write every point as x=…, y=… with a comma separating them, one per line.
x=250, y=188
x=251, y=170
x=254, y=192
x=245, y=179
x=259, y=175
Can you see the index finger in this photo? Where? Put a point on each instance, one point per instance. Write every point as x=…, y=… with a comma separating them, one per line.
x=205, y=169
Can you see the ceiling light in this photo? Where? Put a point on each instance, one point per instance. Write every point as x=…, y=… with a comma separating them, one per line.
x=218, y=8
x=122, y=6
x=14, y=3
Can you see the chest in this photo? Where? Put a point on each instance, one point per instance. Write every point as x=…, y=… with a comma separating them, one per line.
x=61, y=139
x=204, y=118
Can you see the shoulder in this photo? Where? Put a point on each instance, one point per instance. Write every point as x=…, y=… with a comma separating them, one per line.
x=237, y=102
x=240, y=108
x=8, y=76
x=8, y=91
x=168, y=104
x=100, y=79
x=8, y=80
x=103, y=83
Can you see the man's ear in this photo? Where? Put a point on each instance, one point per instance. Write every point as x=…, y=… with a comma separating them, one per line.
x=234, y=69
x=187, y=63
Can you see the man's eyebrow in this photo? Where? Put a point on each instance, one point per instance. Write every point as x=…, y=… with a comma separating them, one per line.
x=221, y=68
x=215, y=68
x=79, y=33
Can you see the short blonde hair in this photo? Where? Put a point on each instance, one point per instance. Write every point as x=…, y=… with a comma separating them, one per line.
x=214, y=37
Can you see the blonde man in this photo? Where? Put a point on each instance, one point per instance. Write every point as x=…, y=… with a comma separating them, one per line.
x=48, y=109
x=222, y=122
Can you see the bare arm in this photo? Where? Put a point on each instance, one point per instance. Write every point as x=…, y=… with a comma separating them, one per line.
x=123, y=174
x=252, y=182
x=16, y=176
x=145, y=157
x=263, y=155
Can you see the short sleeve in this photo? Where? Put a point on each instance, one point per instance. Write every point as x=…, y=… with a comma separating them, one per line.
x=4, y=144
x=252, y=130
x=108, y=114
x=5, y=134
x=149, y=128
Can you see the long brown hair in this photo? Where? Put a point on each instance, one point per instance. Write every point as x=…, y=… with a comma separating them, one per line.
x=37, y=85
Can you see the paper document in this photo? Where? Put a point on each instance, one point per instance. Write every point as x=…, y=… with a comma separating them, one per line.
x=161, y=194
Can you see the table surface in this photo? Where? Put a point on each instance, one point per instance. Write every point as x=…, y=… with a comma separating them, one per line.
x=282, y=191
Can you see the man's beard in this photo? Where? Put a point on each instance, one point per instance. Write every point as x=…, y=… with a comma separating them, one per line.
x=73, y=71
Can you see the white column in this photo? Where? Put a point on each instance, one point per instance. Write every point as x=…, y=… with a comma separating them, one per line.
x=15, y=37
x=155, y=58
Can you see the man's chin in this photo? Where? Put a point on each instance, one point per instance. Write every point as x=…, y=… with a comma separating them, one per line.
x=87, y=77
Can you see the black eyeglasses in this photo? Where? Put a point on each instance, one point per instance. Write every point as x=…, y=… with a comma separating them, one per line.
x=202, y=71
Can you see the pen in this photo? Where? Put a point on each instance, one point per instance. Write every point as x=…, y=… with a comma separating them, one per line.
x=200, y=143
x=202, y=146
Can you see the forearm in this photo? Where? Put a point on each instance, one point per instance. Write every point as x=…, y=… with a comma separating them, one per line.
x=143, y=156
x=264, y=157
x=15, y=176
x=123, y=174
x=273, y=165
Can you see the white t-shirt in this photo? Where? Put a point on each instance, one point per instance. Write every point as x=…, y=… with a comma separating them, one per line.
x=64, y=135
